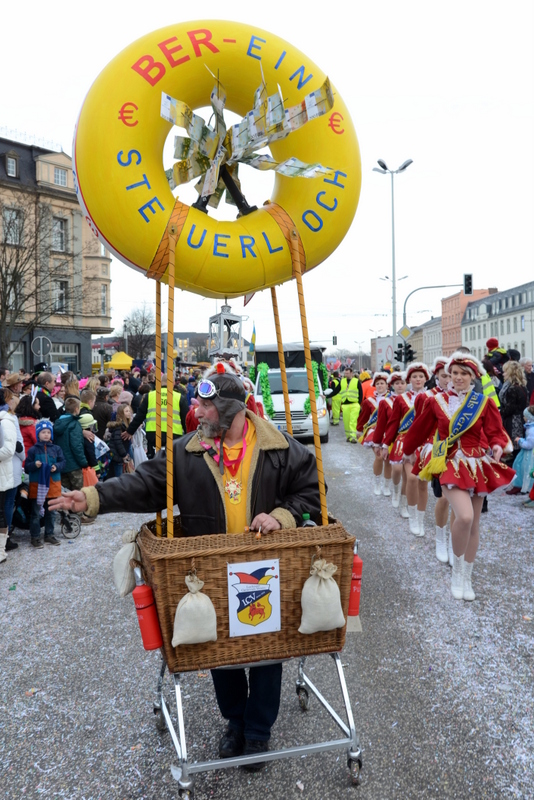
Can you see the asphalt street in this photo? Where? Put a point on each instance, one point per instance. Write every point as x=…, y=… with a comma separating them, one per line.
x=442, y=690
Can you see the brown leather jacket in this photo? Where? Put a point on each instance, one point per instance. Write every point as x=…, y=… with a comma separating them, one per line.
x=282, y=482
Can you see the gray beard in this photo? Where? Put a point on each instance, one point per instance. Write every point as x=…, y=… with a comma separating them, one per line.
x=210, y=430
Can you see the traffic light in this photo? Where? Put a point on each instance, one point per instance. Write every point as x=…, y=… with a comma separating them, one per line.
x=399, y=354
x=409, y=354
x=468, y=284
x=334, y=339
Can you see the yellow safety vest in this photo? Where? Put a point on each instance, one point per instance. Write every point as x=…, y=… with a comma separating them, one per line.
x=489, y=389
x=349, y=391
x=150, y=421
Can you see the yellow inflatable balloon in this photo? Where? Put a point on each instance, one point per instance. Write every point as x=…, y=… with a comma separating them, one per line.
x=125, y=194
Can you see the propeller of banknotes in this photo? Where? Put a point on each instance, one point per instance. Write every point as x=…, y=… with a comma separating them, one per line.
x=214, y=153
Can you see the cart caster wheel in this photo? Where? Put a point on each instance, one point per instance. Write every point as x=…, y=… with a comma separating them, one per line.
x=159, y=719
x=304, y=699
x=71, y=526
x=355, y=769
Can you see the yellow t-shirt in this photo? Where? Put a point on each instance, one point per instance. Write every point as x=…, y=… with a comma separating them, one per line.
x=236, y=513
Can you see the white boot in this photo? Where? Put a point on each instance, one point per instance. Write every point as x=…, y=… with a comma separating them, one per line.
x=468, y=589
x=404, y=506
x=457, y=578
x=421, y=521
x=413, y=520
x=449, y=549
x=386, y=491
x=441, y=544
x=3, y=540
x=378, y=484
x=396, y=495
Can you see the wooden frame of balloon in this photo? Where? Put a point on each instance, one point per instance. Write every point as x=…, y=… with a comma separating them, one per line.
x=172, y=236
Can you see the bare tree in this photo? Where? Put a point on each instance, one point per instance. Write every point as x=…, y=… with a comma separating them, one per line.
x=40, y=271
x=141, y=326
x=200, y=348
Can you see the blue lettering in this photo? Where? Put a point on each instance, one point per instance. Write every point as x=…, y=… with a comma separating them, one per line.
x=316, y=217
x=217, y=244
x=247, y=246
x=323, y=205
x=271, y=250
x=144, y=182
x=280, y=60
x=149, y=206
x=190, y=238
x=130, y=154
x=254, y=46
x=334, y=182
x=300, y=73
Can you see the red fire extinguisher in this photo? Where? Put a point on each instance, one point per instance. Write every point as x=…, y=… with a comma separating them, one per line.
x=356, y=583
x=146, y=613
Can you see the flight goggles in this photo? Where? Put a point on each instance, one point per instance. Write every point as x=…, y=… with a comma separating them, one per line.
x=207, y=390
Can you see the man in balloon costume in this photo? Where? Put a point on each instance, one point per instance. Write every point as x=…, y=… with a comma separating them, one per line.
x=237, y=470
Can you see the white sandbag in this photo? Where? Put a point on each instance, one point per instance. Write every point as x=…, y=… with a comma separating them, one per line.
x=195, y=620
x=122, y=572
x=138, y=451
x=320, y=600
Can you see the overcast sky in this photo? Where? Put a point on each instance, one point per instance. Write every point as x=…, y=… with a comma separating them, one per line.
x=449, y=85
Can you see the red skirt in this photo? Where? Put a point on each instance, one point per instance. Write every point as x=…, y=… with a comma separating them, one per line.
x=368, y=440
x=396, y=451
x=480, y=475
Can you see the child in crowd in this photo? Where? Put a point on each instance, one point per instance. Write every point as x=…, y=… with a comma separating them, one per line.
x=44, y=463
x=68, y=435
x=119, y=448
x=524, y=461
x=28, y=413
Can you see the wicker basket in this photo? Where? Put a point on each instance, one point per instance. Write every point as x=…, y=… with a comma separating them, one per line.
x=167, y=561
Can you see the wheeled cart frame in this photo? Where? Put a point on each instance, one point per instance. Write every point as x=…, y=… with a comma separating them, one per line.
x=184, y=771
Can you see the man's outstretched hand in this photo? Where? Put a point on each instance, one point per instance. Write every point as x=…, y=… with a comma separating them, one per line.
x=70, y=501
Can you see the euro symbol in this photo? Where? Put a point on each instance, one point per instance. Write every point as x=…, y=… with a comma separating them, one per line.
x=126, y=113
x=334, y=122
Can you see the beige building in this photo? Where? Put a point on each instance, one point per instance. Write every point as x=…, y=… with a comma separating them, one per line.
x=58, y=290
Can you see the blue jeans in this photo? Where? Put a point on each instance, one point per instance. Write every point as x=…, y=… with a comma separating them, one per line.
x=35, y=521
x=116, y=469
x=9, y=504
x=250, y=707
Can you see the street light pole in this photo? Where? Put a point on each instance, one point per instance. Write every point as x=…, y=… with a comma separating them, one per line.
x=125, y=328
x=384, y=170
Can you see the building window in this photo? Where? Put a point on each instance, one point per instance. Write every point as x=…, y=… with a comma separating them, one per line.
x=12, y=167
x=104, y=300
x=515, y=324
x=65, y=354
x=60, y=176
x=522, y=322
x=508, y=325
x=102, y=249
x=12, y=221
x=523, y=297
x=502, y=327
x=104, y=269
x=61, y=291
x=478, y=331
x=484, y=330
x=17, y=357
x=59, y=234
x=522, y=349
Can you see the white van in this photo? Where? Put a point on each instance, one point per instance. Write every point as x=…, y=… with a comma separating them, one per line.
x=297, y=382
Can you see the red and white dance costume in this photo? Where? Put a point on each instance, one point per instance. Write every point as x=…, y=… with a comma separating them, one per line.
x=469, y=466
x=367, y=420
x=462, y=458
x=397, y=382
x=441, y=508
x=400, y=421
